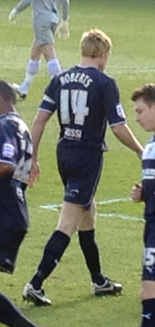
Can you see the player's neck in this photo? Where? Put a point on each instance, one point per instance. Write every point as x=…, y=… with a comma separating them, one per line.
x=89, y=62
x=6, y=106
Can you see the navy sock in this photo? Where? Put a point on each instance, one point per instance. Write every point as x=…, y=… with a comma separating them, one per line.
x=148, y=313
x=53, y=252
x=10, y=315
x=91, y=253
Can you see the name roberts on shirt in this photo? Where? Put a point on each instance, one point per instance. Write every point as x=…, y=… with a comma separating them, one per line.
x=76, y=78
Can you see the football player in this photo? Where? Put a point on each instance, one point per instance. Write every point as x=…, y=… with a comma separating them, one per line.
x=15, y=164
x=45, y=23
x=85, y=99
x=144, y=102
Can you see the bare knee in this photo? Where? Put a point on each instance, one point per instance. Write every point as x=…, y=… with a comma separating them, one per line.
x=48, y=51
x=148, y=290
x=35, y=51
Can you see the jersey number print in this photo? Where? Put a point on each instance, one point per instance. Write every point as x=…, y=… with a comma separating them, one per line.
x=78, y=101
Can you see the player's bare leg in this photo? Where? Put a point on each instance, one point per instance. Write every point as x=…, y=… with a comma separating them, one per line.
x=32, y=70
x=49, y=53
x=69, y=220
x=148, y=302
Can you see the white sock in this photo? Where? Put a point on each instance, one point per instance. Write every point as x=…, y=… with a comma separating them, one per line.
x=53, y=67
x=32, y=69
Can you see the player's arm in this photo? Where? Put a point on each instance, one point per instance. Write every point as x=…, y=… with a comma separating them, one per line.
x=46, y=109
x=6, y=172
x=65, y=10
x=8, y=152
x=23, y=4
x=117, y=119
x=7, y=156
x=62, y=30
x=38, y=126
x=125, y=136
x=37, y=130
x=6, y=169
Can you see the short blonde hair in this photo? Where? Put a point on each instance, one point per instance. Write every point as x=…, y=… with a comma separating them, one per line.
x=94, y=43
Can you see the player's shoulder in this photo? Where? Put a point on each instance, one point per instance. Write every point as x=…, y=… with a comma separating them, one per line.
x=110, y=79
x=74, y=73
x=151, y=140
x=12, y=122
x=6, y=127
x=111, y=83
x=14, y=118
x=4, y=122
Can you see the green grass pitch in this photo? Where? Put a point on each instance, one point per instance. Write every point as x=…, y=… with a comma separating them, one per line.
x=130, y=24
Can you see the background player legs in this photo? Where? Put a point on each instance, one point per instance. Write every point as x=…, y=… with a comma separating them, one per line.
x=49, y=53
x=53, y=66
x=32, y=68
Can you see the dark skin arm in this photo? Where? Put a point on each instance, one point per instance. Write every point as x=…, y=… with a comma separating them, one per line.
x=6, y=169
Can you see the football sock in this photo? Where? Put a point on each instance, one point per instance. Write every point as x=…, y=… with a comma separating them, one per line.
x=148, y=313
x=32, y=69
x=53, y=67
x=10, y=315
x=91, y=253
x=53, y=251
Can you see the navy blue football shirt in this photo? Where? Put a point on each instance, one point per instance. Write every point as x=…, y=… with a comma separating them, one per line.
x=15, y=145
x=85, y=100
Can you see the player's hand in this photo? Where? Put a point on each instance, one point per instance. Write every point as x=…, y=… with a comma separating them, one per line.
x=12, y=15
x=136, y=193
x=34, y=174
x=62, y=30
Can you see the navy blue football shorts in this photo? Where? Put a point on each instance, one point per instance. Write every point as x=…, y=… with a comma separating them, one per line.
x=10, y=242
x=149, y=251
x=80, y=171
x=13, y=227
x=44, y=34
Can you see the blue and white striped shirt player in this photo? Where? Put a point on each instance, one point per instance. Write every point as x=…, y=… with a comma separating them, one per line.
x=148, y=177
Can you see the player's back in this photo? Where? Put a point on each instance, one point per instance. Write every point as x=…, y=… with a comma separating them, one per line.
x=85, y=100
x=82, y=100
x=45, y=11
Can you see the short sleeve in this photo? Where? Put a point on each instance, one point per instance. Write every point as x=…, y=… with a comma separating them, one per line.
x=48, y=102
x=8, y=145
x=114, y=110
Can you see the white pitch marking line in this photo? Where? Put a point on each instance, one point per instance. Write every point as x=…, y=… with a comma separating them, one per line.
x=56, y=207
x=109, y=201
x=119, y=215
